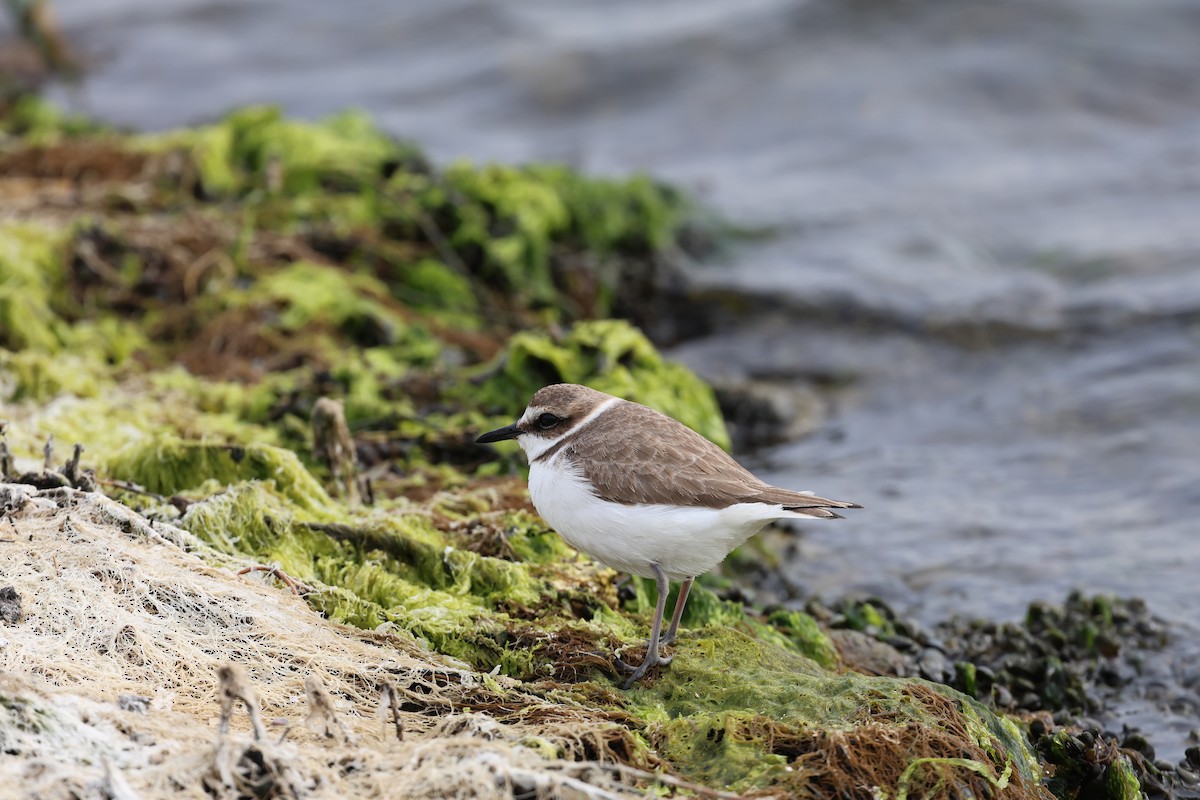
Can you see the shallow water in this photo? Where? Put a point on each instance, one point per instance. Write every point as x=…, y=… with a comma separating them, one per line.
x=980, y=222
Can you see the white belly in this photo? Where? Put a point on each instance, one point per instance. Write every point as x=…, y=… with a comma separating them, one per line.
x=684, y=541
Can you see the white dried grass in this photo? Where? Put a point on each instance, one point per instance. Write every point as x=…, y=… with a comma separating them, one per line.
x=114, y=606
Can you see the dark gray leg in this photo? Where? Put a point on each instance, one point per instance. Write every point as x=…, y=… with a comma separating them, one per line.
x=673, y=629
x=652, y=658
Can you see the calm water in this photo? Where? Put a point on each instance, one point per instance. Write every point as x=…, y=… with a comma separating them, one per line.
x=984, y=223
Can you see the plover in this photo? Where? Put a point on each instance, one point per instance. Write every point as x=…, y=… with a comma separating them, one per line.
x=643, y=493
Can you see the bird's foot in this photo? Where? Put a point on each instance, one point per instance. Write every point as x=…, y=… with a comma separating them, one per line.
x=636, y=675
x=652, y=659
x=624, y=666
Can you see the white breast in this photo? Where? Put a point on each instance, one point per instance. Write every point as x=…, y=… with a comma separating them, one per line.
x=684, y=541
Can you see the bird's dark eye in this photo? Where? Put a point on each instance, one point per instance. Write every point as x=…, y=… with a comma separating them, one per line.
x=547, y=421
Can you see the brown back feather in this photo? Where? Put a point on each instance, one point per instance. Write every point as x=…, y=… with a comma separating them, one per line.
x=633, y=454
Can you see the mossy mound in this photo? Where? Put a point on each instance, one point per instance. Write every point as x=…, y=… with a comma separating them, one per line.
x=207, y=287
x=309, y=259
x=730, y=711
x=736, y=712
x=170, y=466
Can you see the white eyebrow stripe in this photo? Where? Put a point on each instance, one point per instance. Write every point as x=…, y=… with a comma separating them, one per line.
x=538, y=449
x=597, y=411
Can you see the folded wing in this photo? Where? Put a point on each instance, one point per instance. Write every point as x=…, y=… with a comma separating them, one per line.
x=642, y=456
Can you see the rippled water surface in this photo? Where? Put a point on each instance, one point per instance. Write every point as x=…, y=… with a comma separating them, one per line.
x=981, y=226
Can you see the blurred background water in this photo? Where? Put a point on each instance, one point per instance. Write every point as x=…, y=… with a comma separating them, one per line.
x=978, y=240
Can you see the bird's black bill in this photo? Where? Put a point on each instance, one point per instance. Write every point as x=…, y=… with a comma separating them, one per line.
x=500, y=434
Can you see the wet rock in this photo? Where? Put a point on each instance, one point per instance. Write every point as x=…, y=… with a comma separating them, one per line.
x=1138, y=743
x=134, y=703
x=761, y=413
x=14, y=497
x=10, y=605
x=934, y=666
x=1062, y=666
x=866, y=654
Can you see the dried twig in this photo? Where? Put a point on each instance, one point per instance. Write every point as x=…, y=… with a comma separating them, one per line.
x=71, y=468
x=333, y=445
x=296, y=586
x=128, y=486
x=235, y=685
x=321, y=709
x=388, y=694
x=5, y=457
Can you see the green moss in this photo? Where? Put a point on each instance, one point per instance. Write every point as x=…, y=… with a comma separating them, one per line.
x=243, y=150
x=371, y=569
x=430, y=284
x=39, y=377
x=732, y=711
x=1120, y=781
x=534, y=207
x=168, y=465
x=802, y=633
x=29, y=271
x=38, y=121
x=609, y=355
x=533, y=542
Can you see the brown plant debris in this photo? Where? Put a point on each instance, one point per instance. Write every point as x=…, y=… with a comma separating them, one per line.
x=334, y=447
x=236, y=686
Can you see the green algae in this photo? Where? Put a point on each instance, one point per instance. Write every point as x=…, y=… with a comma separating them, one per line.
x=940, y=785
x=1120, y=781
x=538, y=205
x=169, y=466
x=1088, y=766
x=428, y=283
x=532, y=542
x=372, y=569
x=36, y=120
x=257, y=148
x=35, y=376
x=520, y=233
x=74, y=399
x=801, y=633
x=737, y=712
x=343, y=308
x=534, y=214
x=29, y=268
x=791, y=630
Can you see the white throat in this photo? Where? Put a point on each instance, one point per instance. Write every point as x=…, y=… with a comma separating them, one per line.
x=534, y=446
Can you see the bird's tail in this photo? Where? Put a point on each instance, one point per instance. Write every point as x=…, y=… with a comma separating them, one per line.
x=806, y=504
